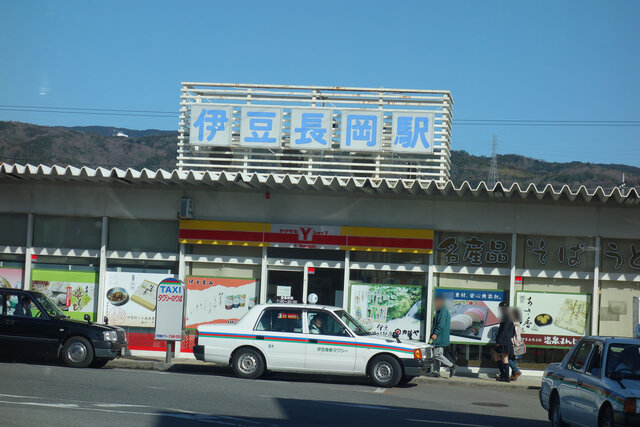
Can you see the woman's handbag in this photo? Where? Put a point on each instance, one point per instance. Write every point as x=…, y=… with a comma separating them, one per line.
x=519, y=347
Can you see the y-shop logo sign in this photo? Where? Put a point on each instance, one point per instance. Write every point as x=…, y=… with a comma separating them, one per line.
x=305, y=233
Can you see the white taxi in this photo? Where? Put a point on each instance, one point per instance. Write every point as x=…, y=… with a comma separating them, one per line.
x=308, y=338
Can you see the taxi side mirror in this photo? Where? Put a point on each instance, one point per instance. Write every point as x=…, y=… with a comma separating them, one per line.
x=87, y=318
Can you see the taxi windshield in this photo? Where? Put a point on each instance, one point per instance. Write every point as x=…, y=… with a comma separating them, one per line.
x=623, y=361
x=49, y=306
x=352, y=323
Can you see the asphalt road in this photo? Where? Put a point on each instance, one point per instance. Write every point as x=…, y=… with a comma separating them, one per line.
x=37, y=394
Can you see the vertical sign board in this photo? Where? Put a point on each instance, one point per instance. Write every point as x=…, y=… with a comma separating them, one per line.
x=170, y=310
x=636, y=317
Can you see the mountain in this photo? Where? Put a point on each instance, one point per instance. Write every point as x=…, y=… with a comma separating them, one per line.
x=109, y=131
x=97, y=146
x=27, y=143
x=525, y=170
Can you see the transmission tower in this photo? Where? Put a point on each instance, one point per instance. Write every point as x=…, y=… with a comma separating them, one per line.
x=493, y=170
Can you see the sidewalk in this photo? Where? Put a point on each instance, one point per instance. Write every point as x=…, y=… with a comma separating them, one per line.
x=464, y=376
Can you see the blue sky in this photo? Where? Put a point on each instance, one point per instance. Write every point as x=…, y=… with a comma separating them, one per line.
x=535, y=60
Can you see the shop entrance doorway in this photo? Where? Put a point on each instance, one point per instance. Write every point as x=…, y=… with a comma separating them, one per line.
x=285, y=285
x=328, y=284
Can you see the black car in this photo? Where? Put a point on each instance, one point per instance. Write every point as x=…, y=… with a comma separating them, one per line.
x=31, y=325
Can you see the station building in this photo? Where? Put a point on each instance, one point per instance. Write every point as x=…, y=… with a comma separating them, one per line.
x=363, y=215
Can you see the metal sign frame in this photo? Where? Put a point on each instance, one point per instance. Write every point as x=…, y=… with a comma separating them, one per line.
x=428, y=162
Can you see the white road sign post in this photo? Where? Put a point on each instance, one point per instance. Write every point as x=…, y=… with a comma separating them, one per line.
x=170, y=298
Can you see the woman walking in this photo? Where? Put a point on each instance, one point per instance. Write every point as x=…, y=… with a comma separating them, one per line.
x=504, y=348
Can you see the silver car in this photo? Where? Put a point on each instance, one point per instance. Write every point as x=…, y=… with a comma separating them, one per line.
x=597, y=384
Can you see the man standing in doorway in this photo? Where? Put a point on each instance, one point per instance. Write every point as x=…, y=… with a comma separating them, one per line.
x=440, y=336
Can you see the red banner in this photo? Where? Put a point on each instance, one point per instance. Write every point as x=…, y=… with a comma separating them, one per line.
x=550, y=340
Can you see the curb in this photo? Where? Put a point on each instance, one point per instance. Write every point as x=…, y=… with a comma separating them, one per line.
x=478, y=382
x=525, y=383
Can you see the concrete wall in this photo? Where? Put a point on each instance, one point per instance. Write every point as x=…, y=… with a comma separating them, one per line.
x=439, y=213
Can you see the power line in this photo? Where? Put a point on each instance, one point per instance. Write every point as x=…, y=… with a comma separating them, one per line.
x=549, y=121
x=86, y=108
x=460, y=122
x=547, y=124
x=95, y=113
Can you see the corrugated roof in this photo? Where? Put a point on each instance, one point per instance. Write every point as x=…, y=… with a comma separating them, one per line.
x=254, y=181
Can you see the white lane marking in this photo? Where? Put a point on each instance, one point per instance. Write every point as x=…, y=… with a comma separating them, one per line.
x=190, y=416
x=157, y=388
x=380, y=390
x=447, y=422
x=48, y=405
x=17, y=395
x=119, y=405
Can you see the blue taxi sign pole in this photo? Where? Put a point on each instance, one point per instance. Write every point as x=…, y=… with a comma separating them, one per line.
x=169, y=323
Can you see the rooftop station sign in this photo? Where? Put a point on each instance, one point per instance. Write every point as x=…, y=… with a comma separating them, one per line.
x=311, y=129
x=315, y=131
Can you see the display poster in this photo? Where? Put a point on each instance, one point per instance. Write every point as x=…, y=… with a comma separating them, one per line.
x=383, y=308
x=553, y=319
x=475, y=316
x=73, y=291
x=11, y=277
x=218, y=299
x=130, y=298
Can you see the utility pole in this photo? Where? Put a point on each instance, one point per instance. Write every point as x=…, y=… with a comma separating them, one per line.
x=493, y=170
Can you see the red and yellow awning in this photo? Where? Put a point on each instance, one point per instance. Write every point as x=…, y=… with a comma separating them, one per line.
x=400, y=240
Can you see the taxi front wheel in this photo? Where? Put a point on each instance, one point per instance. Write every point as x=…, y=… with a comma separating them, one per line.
x=248, y=363
x=385, y=371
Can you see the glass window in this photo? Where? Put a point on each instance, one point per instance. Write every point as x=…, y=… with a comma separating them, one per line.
x=11, y=300
x=388, y=277
x=2, y=305
x=143, y=235
x=281, y=320
x=595, y=364
x=23, y=306
x=285, y=286
x=328, y=285
x=323, y=323
x=388, y=257
x=352, y=323
x=304, y=253
x=624, y=360
x=580, y=356
x=13, y=230
x=66, y=232
x=616, y=308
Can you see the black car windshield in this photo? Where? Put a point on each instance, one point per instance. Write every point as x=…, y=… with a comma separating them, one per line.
x=623, y=361
x=49, y=306
x=352, y=323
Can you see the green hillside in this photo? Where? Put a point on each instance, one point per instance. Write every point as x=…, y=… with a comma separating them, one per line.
x=95, y=146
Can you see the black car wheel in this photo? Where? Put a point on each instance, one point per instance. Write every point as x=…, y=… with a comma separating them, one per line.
x=77, y=352
x=99, y=363
x=606, y=417
x=555, y=415
x=385, y=371
x=248, y=363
